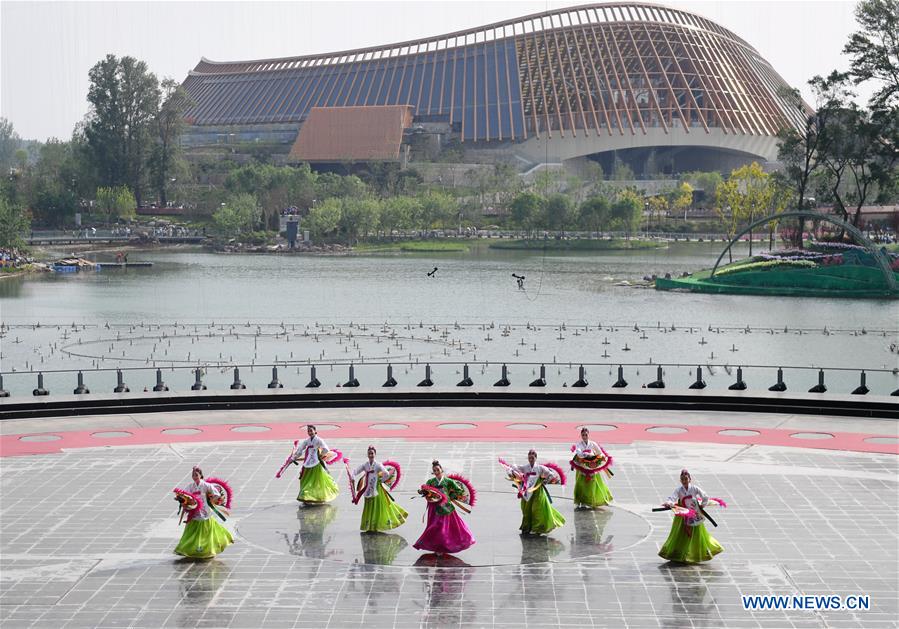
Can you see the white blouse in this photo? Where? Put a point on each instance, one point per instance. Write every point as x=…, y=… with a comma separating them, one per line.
x=308, y=451
x=203, y=512
x=589, y=448
x=694, y=496
x=531, y=473
x=371, y=470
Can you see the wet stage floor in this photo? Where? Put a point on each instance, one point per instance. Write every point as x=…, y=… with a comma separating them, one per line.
x=86, y=539
x=331, y=532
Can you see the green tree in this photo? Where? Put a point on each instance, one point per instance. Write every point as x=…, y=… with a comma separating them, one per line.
x=874, y=49
x=595, y=213
x=124, y=100
x=324, y=218
x=707, y=182
x=559, y=212
x=50, y=187
x=9, y=143
x=527, y=210
x=116, y=202
x=436, y=209
x=332, y=185
x=13, y=224
x=359, y=217
x=627, y=211
x=799, y=151
x=167, y=125
x=398, y=213
x=239, y=215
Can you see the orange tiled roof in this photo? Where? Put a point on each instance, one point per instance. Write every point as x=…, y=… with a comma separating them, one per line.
x=337, y=134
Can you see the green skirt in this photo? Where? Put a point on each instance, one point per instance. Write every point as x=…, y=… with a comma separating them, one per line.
x=316, y=485
x=381, y=513
x=687, y=546
x=203, y=539
x=538, y=516
x=593, y=492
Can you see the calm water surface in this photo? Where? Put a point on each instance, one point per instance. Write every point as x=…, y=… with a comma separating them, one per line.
x=472, y=289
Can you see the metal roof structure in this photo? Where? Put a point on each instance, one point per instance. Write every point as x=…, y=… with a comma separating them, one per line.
x=603, y=70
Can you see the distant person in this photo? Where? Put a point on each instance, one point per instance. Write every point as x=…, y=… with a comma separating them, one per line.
x=432, y=273
x=520, y=280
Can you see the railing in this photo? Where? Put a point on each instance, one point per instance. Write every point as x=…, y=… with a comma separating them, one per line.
x=477, y=375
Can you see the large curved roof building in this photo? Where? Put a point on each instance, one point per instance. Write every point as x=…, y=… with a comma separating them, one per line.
x=554, y=86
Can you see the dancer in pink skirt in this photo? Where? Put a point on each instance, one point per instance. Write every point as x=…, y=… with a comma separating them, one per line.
x=446, y=532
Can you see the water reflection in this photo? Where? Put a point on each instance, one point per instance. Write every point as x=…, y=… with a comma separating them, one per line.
x=589, y=527
x=539, y=548
x=369, y=578
x=310, y=540
x=381, y=548
x=199, y=583
x=690, y=595
x=11, y=287
x=443, y=581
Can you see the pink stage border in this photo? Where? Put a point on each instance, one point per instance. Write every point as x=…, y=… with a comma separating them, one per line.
x=564, y=432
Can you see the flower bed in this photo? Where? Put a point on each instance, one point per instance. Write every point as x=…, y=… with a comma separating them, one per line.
x=766, y=265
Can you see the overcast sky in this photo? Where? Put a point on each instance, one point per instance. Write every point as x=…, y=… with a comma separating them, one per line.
x=48, y=47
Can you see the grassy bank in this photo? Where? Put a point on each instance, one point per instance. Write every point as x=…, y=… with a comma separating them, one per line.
x=576, y=245
x=413, y=246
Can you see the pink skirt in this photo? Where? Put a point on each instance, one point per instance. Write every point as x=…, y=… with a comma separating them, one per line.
x=444, y=533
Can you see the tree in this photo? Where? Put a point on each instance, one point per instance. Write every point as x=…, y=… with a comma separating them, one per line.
x=436, y=209
x=239, y=214
x=124, y=99
x=747, y=194
x=559, y=212
x=359, y=217
x=527, y=209
x=657, y=204
x=332, y=185
x=324, y=218
x=799, y=151
x=13, y=224
x=627, y=211
x=398, y=213
x=168, y=124
x=49, y=188
x=116, y=202
x=874, y=49
x=680, y=198
x=595, y=213
x=9, y=144
x=706, y=181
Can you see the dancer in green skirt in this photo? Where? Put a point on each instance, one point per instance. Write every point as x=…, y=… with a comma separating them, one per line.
x=589, y=463
x=689, y=541
x=538, y=516
x=316, y=484
x=203, y=536
x=381, y=512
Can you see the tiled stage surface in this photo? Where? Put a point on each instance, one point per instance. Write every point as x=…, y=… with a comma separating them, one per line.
x=86, y=536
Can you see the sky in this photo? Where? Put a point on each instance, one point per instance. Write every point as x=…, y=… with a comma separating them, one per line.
x=47, y=48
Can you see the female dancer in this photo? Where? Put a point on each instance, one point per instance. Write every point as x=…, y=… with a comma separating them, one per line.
x=689, y=541
x=445, y=531
x=538, y=516
x=203, y=536
x=316, y=484
x=589, y=461
x=381, y=512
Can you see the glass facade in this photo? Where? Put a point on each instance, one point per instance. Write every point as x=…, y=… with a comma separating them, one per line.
x=600, y=69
